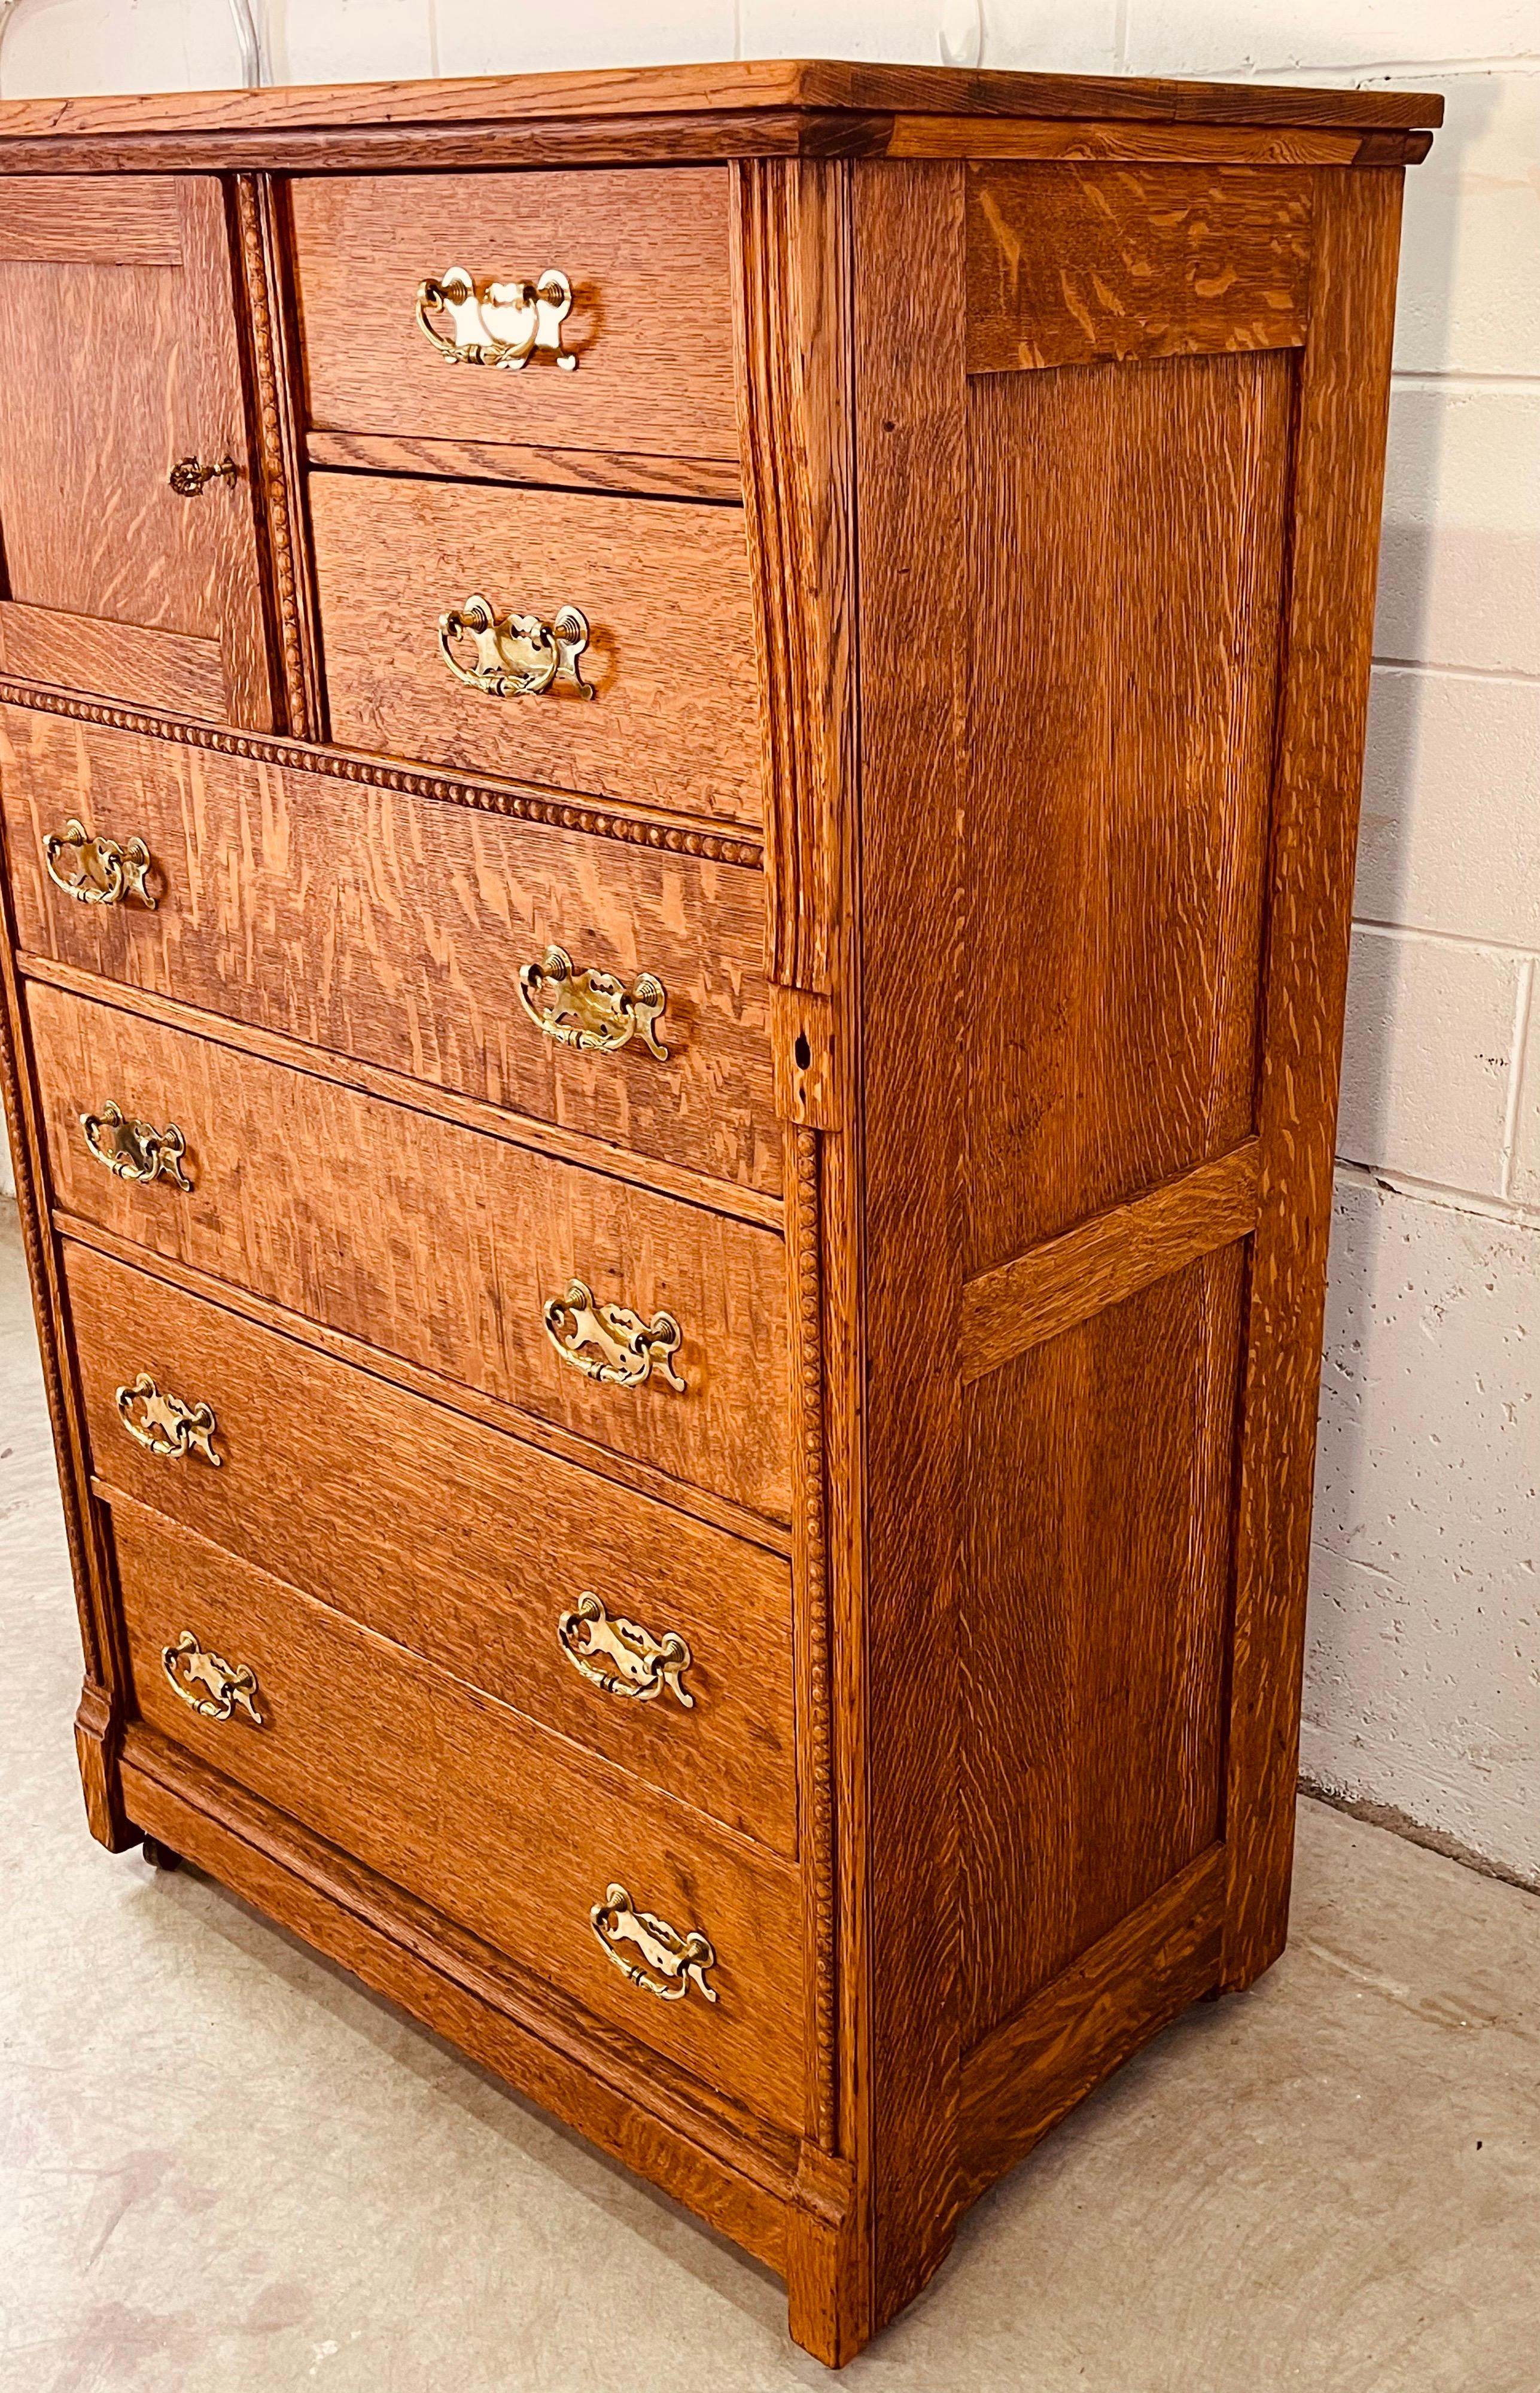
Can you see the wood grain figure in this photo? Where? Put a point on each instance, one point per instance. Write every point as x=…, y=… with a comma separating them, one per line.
x=683, y=1324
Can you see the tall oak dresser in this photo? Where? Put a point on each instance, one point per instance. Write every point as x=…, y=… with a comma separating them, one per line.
x=680, y=755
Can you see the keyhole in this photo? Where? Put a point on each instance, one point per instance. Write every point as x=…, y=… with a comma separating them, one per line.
x=803, y=1051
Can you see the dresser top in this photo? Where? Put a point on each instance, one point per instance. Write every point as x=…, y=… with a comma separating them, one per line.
x=855, y=103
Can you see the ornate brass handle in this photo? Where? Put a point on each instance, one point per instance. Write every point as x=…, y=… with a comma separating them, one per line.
x=189, y=1667
x=100, y=872
x=629, y=1348
x=622, y=1658
x=501, y=326
x=137, y=1150
x=517, y=656
x=670, y=1963
x=590, y=1009
x=163, y=1425
x=189, y=477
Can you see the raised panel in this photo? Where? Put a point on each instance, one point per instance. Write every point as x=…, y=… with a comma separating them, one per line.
x=1096, y=1584
x=1128, y=564
x=121, y=358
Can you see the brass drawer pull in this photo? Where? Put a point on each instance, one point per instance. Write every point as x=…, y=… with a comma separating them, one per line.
x=622, y=1658
x=517, y=656
x=590, y=1009
x=673, y=1963
x=189, y=477
x=97, y=871
x=189, y=1667
x=502, y=325
x=629, y=1348
x=137, y=1150
x=163, y=1425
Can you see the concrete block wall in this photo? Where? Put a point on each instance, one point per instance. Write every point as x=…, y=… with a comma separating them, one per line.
x=1423, y=1684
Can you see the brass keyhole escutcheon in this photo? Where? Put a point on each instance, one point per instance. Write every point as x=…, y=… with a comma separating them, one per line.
x=189, y=477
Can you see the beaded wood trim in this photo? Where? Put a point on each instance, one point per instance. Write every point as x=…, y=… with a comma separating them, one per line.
x=254, y=215
x=811, y=1566
x=521, y=805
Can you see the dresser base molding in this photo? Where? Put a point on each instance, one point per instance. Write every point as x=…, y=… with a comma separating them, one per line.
x=786, y=2204
x=790, y=2206
x=96, y=1741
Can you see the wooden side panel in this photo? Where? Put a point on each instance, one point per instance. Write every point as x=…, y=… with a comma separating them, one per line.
x=1128, y=559
x=911, y=498
x=423, y=913
x=1021, y=2080
x=646, y=252
x=431, y=1241
x=1097, y=1572
x=116, y=368
x=671, y=658
x=454, y=1540
x=1339, y=473
x=499, y=1824
x=1068, y=264
x=1113, y=1255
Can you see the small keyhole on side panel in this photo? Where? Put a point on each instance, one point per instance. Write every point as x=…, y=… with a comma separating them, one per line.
x=803, y=1051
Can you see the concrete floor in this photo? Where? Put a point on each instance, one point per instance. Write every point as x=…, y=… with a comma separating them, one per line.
x=224, y=2165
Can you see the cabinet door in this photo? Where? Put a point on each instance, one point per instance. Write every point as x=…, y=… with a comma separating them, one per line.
x=119, y=357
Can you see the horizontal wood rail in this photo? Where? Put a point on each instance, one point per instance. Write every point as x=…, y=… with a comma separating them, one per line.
x=1039, y=1295
x=128, y=660
x=716, y=479
x=1035, y=2067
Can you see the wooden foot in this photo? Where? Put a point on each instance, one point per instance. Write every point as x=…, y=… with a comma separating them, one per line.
x=97, y=1730
x=828, y=2306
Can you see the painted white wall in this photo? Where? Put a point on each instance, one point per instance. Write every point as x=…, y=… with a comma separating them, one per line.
x=1423, y=1684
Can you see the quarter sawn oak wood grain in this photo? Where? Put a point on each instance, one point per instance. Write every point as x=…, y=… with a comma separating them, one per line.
x=426, y=912
x=670, y=656
x=431, y=1241
x=461, y=1544
x=972, y=481
x=454, y=1798
x=650, y=326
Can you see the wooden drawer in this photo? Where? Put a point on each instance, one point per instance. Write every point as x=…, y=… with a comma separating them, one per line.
x=651, y=323
x=435, y=1242
x=462, y=1544
x=450, y=1796
x=662, y=583
x=393, y=928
